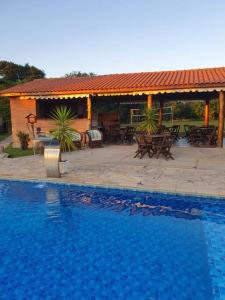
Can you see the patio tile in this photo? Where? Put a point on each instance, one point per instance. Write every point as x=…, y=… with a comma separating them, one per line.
x=194, y=170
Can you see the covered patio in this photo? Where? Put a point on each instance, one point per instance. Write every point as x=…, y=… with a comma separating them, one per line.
x=107, y=115
x=91, y=97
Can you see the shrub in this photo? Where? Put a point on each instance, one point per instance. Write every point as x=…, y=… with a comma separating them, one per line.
x=24, y=139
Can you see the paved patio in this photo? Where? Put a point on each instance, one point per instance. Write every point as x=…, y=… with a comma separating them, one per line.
x=194, y=170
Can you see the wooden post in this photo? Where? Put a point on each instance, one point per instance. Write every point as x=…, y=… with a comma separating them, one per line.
x=160, y=112
x=89, y=111
x=207, y=113
x=149, y=102
x=221, y=119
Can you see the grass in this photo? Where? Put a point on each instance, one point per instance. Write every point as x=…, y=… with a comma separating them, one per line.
x=3, y=136
x=17, y=152
x=189, y=122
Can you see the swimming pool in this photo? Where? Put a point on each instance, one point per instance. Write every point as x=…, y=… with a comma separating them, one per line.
x=74, y=242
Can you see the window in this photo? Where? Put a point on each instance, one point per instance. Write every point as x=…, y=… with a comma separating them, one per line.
x=45, y=107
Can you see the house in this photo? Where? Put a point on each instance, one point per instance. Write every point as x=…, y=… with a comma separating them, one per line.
x=97, y=100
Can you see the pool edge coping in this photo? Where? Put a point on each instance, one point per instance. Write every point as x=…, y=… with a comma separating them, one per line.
x=111, y=187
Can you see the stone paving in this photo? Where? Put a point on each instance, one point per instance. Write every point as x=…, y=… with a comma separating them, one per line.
x=3, y=144
x=194, y=170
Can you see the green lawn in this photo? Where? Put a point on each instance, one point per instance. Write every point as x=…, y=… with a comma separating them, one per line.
x=17, y=152
x=184, y=122
x=189, y=122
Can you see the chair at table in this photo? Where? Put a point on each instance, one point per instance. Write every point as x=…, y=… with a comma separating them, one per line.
x=122, y=135
x=166, y=146
x=211, y=136
x=114, y=136
x=156, y=146
x=161, y=144
x=174, y=130
x=195, y=137
x=129, y=135
x=148, y=138
x=187, y=130
x=142, y=147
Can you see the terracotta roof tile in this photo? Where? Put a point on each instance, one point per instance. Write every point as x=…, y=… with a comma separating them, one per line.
x=163, y=80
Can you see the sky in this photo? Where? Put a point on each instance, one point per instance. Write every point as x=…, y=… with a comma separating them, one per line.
x=113, y=36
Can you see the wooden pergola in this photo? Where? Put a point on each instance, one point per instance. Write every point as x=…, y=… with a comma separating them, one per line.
x=206, y=97
x=196, y=84
x=179, y=96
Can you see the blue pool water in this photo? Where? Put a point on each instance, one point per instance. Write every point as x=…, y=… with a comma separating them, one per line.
x=73, y=242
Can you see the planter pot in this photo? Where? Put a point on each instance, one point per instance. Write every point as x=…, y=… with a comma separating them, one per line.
x=63, y=166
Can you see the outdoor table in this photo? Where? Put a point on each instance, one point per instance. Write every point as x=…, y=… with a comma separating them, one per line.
x=154, y=143
x=204, y=135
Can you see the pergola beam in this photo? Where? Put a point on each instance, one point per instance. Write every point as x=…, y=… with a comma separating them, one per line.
x=221, y=119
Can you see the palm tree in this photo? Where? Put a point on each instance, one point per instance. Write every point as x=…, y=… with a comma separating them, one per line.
x=63, y=116
x=150, y=122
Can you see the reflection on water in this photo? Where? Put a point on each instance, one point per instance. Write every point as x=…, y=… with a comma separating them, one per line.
x=146, y=207
x=52, y=196
x=52, y=203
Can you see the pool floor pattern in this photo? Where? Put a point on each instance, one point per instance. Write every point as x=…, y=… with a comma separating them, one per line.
x=71, y=242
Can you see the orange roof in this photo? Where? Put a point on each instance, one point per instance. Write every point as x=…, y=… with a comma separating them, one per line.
x=130, y=82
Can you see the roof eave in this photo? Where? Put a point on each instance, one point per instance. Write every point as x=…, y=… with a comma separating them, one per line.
x=143, y=90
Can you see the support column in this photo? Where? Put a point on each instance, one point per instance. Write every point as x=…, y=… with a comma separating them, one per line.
x=149, y=102
x=221, y=119
x=206, y=113
x=89, y=115
x=160, y=112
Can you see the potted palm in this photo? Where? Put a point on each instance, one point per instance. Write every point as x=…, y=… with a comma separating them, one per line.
x=149, y=124
x=63, y=133
x=63, y=116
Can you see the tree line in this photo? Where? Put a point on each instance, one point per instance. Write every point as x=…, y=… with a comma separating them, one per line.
x=194, y=110
x=10, y=75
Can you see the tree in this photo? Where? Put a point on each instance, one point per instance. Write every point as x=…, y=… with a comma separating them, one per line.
x=214, y=109
x=184, y=110
x=80, y=74
x=10, y=75
x=198, y=108
x=12, y=72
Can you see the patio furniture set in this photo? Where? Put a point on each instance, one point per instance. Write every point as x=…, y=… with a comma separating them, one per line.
x=92, y=138
x=154, y=144
x=201, y=135
x=117, y=135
